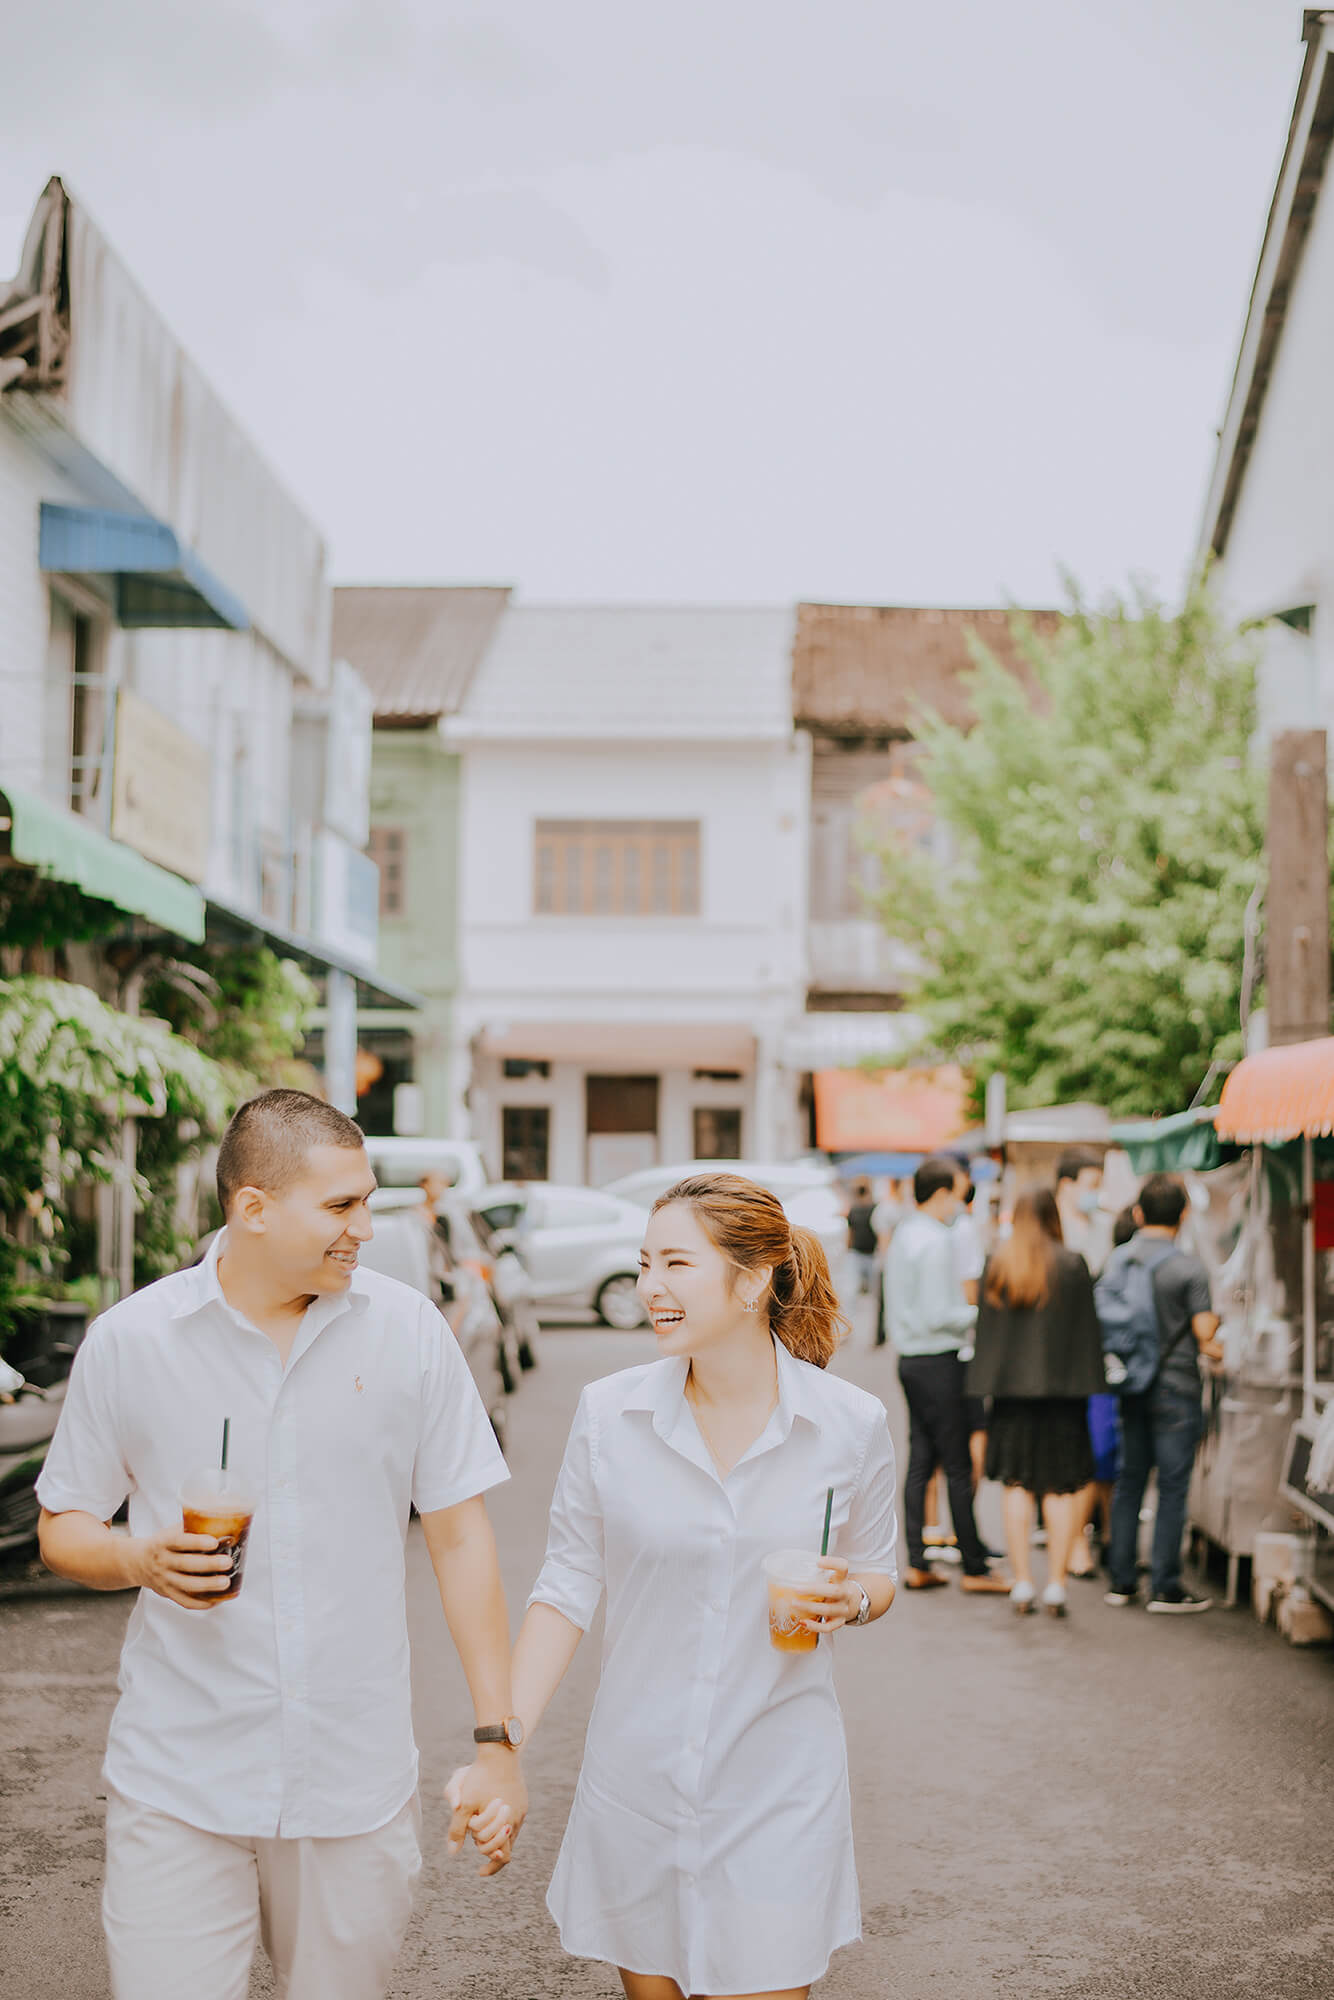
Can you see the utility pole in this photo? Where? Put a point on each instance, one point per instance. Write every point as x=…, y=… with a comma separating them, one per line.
x=1297, y=903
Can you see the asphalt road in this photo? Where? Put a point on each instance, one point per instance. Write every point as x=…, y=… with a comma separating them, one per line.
x=1108, y=1808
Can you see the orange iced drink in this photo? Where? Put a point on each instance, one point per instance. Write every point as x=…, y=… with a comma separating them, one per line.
x=212, y=1504
x=792, y=1574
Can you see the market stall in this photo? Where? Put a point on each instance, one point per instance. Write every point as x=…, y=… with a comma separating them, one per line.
x=1280, y=1104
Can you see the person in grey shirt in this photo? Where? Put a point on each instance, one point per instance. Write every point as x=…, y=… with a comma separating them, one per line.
x=929, y=1322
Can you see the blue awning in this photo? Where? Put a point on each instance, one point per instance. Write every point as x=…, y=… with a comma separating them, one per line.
x=159, y=581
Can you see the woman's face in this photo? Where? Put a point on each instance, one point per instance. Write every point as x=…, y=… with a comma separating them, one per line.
x=689, y=1289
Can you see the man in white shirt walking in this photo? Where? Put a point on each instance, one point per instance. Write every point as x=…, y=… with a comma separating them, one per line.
x=261, y=1770
x=929, y=1321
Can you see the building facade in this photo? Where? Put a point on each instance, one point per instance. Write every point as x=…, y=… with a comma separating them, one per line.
x=416, y=650
x=174, y=733
x=1268, y=527
x=632, y=890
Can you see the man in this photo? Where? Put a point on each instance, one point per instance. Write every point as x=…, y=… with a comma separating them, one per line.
x=929, y=1321
x=1161, y=1425
x=1084, y=1224
x=261, y=1770
x=862, y=1243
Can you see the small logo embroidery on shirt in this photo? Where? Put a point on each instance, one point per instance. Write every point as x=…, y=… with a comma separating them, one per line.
x=360, y=1385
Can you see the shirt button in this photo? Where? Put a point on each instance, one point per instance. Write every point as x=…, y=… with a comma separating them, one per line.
x=718, y=1605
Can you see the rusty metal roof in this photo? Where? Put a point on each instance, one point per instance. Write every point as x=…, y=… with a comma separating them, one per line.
x=416, y=647
x=862, y=669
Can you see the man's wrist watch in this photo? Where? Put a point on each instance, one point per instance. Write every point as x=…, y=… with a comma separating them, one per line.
x=865, y=1611
x=509, y=1731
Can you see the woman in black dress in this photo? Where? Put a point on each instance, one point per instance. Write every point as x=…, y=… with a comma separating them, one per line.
x=1038, y=1355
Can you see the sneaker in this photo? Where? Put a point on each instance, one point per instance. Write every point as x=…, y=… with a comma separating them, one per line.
x=1053, y=1600
x=1022, y=1598
x=1119, y=1598
x=1176, y=1600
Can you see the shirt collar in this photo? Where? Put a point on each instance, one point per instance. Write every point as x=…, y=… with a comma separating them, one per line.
x=202, y=1287
x=662, y=1391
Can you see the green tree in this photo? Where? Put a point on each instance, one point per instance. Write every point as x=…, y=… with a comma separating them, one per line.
x=1106, y=821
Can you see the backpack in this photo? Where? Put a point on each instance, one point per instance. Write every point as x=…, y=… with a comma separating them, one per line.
x=1128, y=1316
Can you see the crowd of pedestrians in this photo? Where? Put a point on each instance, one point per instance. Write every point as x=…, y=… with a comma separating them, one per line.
x=1063, y=1362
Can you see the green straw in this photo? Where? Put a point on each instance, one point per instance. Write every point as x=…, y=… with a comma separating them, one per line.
x=828, y=1510
x=226, y=1433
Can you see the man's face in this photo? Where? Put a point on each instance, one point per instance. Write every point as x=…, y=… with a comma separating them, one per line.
x=311, y=1232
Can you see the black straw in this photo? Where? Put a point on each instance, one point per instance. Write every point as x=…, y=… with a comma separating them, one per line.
x=226, y=1433
x=828, y=1511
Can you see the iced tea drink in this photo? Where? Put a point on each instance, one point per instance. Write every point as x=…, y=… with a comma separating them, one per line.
x=792, y=1574
x=213, y=1503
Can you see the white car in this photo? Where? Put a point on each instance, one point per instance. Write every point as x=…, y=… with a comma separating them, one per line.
x=808, y=1191
x=580, y=1246
x=400, y=1163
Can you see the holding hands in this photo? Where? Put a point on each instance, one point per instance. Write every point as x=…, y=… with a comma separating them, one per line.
x=489, y=1800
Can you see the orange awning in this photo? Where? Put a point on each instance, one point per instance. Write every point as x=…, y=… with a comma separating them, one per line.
x=891, y=1111
x=1280, y=1094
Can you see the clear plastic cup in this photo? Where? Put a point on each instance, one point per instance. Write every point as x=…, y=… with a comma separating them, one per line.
x=218, y=1503
x=792, y=1574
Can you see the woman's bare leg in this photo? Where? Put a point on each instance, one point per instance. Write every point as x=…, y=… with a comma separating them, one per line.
x=1059, y=1511
x=1018, y=1506
x=770, y=1993
x=649, y=1986
x=1081, y=1556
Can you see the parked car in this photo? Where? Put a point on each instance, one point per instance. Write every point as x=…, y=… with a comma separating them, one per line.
x=457, y=1282
x=400, y=1163
x=808, y=1190
x=580, y=1246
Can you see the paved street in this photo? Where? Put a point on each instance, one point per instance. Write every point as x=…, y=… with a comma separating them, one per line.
x=1117, y=1806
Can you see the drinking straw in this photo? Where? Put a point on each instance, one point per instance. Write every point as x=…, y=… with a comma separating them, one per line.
x=828, y=1510
x=226, y=1433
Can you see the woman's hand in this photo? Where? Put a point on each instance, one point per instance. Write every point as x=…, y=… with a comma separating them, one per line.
x=493, y=1827
x=837, y=1605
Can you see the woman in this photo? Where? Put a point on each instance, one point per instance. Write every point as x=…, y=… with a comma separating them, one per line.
x=1038, y=1355
x=709, y=1848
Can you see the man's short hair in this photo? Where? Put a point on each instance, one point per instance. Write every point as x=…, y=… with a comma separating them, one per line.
x=1074, y=1160
x=935, y=1173
x=266, y=1143
x=1162, y=1201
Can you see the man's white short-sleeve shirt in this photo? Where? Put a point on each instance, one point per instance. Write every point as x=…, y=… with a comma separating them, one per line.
x=286, y=1710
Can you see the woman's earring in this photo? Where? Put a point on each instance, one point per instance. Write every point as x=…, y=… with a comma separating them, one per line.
x=750, y=1305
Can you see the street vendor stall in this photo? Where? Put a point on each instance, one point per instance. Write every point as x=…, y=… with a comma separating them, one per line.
x=1239, y=1224
x=1280, y=1103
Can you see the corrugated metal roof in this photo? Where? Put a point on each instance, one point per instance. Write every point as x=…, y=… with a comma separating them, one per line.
x=861, y=669
x=681, y=672
x=416, y=648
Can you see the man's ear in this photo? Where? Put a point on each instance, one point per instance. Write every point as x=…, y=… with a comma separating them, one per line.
x=249, y=1211
x=1138, y=1214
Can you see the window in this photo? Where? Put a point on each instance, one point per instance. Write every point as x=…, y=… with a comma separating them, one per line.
x=616, y=868
x=717, y=1133
x=518, y=1067
x=387, y=848
x=525, y=1142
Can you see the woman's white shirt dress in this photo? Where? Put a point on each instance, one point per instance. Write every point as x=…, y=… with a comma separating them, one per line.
x=711, y=1834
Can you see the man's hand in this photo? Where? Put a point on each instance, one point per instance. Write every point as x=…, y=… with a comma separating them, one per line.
x=182, y=1568
x=489, y=1800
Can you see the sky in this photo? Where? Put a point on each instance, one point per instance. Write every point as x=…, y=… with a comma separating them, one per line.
x=721, y=301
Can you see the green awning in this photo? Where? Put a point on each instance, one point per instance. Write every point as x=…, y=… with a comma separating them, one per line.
x=61, y=844
x=1170, y=1145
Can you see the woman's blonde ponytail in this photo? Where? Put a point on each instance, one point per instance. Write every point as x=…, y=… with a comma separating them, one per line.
x=804, y=1309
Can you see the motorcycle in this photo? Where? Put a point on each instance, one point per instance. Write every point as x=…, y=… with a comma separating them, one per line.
x=30, y=1402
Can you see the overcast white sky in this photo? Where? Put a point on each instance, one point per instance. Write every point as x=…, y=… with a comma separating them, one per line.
x=887, y=301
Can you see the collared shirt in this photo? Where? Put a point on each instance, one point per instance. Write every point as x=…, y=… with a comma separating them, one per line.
x=925, y=1308
x=286, y=1710
x=711, y=1836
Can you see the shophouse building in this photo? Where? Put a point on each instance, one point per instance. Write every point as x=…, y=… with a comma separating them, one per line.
x=1268, y=528
x=861, y=675
x=176, y=739
x=632, y=889
x=416, y=650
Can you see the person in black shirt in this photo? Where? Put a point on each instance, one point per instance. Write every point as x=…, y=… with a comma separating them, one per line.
x=1038, y=1355
x=861, y=1235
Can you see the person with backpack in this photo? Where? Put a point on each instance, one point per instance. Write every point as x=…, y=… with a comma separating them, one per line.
x=1157, y=1322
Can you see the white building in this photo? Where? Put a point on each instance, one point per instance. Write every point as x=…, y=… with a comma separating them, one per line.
x=174, y=737
x=1269, y=516
x=633, y=839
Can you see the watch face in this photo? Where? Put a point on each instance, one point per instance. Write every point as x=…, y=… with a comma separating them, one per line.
x=514, y=1732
